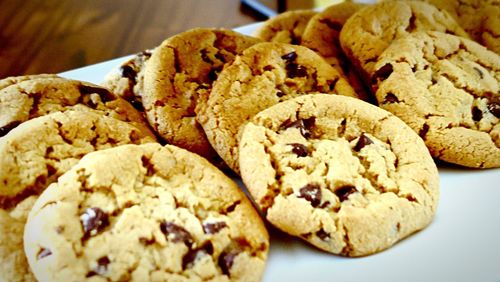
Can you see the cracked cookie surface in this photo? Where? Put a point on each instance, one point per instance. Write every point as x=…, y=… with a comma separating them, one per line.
x=322, y=35
x=40, y=95
x=145, y=213
x=262, y=76
x=447, y=89
x=286, y=27
x=344, y=175
x=179, y=74
x=370, y=31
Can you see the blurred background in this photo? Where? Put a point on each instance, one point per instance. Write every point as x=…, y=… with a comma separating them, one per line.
x=51, y=36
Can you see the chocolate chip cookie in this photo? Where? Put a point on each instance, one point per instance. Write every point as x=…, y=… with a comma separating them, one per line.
x=286, y=27
x=179, y=73
x=447, y=89
x=8, y=81
x=145, y=213
x=342, y=174
x=262, y=76
x=29, y=98
x=371, y=30
x=322, y=35
x=127, y=81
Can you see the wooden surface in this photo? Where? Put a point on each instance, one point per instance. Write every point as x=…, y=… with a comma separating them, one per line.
x=51, y=36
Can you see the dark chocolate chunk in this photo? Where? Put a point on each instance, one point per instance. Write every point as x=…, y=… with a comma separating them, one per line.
x=290, y=57
x=494, y=108
x=362, y=142
x=390, y=98
x=193, y=255
x=233, y=206
x=383, y=73
x=213, y=74
x=101, y=268
x=299, y=149
x=129, y=72
x=94, y=220
x=137, y=104
x=322, y=234
x=105, y=95
x=477, y=114
x=280, y=94
x=304, y=125
x=176, y=233
x=8, y=127
x=147, y=241
x=226, y=261
x=212, y=228
x=312, y=193
x=331, y=24
x=205, y=57
x=424, y=130
x=295, y=70
x=44, y=253
x=345, y=191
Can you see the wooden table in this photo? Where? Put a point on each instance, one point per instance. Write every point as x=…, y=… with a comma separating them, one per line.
x=51, y=36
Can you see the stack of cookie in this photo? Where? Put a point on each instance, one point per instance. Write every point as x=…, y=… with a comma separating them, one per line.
x=331, y=119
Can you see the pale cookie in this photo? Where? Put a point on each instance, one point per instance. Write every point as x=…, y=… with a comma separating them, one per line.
x=371, y=30
x=342, y=174
x=8, y=81
x=38, y=96
x=286, y=27
x=179, y=73
x=322, y=35
x=262, y=76
x=145, y=213
x=447, y=88
x=127, y=81
x=480, y=18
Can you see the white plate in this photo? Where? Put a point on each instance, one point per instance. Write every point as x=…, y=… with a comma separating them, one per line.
x=462, y=244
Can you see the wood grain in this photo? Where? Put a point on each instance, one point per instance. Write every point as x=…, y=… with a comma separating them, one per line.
x=50, y=36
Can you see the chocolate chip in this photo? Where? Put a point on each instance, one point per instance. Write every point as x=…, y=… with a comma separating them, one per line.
x=205, y=57
x=332, y=83
x=176, y=233
x=268, y=68
x=147, y=241
x=212, y=228
x=423, y=131
x=481, y=75
x=233, y=206
x=294, y=70
x=213, y=74
x=312, y=193
x=390, y=98
x=94, y=220
x=193, y=255
x=477, y=114
x=362, y=142
x=323, y=235
x=105, y=95
x=344, y=192
x=101, y=268
x=290, y=57
x=226, y=261
x=383, y=73
x=148, y=165
x=304, y=125
x=299, y=149
x=129, y=72
x=280, y=94
x=494, y=108
x=8, y=127
x=331, y=24
x=44, y=253
x=137, y=104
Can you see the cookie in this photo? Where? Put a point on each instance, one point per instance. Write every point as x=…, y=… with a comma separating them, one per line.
x=127, y=81
x=262, y=76
x=286, y=27
x=480, y=18
x=27, y=99
x=343, y=175
x=447, y=89
x=145, y=213
x=8, y=81
x=179, y=73
x=322, y=35
x=371, y=30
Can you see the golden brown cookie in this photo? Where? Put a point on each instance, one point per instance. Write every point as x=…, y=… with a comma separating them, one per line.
x=371, y=30
x=145, y=213
x=262, y=76
x=342, y=174
x=447, y=88
x=178, y=74
x=40, y=95
x=286, y=27
x=322, y=35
